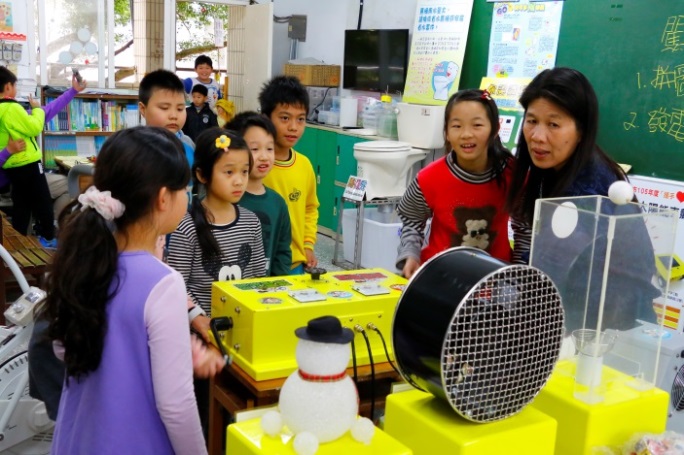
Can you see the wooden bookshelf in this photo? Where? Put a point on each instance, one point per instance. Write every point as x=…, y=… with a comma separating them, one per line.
x=78, y=133
x=80, y=129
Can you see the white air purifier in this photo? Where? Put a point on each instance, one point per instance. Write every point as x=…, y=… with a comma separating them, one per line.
x=640, y=344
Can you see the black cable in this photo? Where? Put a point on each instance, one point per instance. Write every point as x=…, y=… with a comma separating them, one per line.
x=353, y=348
x=358, y=27
x=325, y=95
x=384, y=345
x=372, y=365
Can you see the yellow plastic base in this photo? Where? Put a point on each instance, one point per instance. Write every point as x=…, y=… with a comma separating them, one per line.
x=581, y=426
x=429, y=426
x=247, y=438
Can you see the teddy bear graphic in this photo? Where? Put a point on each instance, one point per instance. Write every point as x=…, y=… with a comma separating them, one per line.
x=476, y=234
x=473, y=227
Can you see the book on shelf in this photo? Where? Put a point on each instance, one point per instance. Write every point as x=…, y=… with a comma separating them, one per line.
x=83, y=114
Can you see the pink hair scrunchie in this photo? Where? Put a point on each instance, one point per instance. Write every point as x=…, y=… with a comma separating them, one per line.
x=103, y=202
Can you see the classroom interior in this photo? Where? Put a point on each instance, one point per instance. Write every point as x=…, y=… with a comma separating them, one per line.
x=428, y=355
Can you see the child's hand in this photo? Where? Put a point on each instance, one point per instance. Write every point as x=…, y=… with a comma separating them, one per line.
x=410, y=267
x=201, y=325
x=16, y=146
x=78, y=86
x=33, y=102
x=207, y=361
x=311, y=260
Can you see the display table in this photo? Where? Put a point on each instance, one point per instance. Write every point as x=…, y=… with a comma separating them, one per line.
x=233, y=390
x=247, y=438
x=428, y=426
x=581, y=426
x=67, y=162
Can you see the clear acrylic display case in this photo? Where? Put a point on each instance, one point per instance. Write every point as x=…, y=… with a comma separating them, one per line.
x=611, y=264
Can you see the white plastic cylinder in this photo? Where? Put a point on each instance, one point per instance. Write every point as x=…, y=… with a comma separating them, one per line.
x=348, y=111
x=589, y=370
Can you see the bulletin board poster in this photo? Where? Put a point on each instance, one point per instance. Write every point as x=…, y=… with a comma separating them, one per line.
x=438, y=46
x=524, y=38
x=505, y=92
x=654, y=192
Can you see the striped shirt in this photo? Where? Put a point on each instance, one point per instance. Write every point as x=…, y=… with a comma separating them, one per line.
x=242, y=255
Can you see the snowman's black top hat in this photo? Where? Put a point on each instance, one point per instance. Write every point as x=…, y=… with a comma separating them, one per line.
x=326, y=329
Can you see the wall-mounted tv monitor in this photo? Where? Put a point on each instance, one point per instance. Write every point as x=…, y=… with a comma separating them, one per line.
x=375, y=60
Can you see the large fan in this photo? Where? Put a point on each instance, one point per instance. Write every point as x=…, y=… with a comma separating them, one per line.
x=480, y=333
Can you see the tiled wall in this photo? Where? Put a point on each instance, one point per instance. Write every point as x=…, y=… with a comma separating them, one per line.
x=148, y=30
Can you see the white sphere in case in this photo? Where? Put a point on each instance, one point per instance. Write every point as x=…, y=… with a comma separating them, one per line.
x=621, y=192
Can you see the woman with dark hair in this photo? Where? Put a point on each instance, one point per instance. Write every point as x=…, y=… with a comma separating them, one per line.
x=557, y=155
x=119, y=313
x=464, y=191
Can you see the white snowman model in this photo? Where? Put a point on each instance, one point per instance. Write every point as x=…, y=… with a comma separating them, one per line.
x=319, y=401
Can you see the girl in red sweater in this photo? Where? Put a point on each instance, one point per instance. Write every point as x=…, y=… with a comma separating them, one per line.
x=464, y=192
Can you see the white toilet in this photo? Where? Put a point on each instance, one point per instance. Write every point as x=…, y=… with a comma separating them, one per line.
x=386, y=164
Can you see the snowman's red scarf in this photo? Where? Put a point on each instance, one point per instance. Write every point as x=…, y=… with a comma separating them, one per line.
x=322, y=378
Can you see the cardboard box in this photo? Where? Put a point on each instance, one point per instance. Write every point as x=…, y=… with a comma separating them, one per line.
x=317, y=75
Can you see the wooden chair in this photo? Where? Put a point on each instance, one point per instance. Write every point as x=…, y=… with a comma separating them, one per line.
x=32, y=258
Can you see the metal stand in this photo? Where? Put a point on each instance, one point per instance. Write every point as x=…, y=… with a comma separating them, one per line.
x=358, y=233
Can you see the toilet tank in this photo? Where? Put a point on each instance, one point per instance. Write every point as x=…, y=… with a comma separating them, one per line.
x=420, y=125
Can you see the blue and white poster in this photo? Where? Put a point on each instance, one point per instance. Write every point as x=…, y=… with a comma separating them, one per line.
x=524, y=38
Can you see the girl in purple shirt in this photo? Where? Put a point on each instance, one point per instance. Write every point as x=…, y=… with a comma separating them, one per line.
x=119, y=313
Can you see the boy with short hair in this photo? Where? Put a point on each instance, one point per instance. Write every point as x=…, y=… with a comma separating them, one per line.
x=285, y=101
x=271, y=209
x=199, y=115
x=204, y=68
x=161, y=100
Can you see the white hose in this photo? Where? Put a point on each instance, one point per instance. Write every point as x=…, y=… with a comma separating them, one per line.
x=14, y=267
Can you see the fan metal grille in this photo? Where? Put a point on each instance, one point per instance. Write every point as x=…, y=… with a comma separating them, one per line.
x=677, y=392
x=502, y=344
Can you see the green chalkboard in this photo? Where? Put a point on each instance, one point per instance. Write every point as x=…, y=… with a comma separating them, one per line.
x=632, y=51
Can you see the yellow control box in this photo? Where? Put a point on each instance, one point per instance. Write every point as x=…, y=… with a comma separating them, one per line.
x=266, y=312
x=427, y=425
x=624, y=411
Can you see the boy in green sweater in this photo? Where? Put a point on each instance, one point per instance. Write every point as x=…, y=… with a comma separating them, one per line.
x=259, y=134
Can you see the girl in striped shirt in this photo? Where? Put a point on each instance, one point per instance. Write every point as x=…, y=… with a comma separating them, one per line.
x=217, y=240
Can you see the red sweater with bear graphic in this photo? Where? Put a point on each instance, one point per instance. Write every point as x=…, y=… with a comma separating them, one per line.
x=466, y=209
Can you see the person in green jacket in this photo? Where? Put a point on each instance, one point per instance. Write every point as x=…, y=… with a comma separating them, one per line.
x=30, y=193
